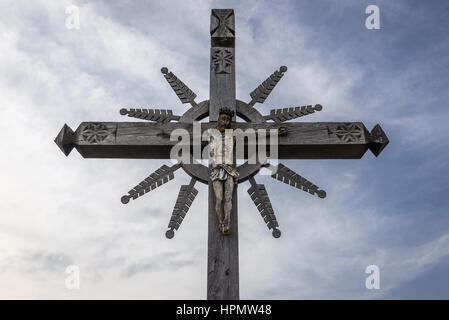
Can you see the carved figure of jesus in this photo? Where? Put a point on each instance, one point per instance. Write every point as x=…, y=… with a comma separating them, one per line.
x=223, y=173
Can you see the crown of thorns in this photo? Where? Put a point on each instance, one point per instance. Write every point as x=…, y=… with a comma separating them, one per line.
x=227, y=111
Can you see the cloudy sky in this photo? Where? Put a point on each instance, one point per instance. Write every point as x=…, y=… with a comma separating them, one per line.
x=390, y=211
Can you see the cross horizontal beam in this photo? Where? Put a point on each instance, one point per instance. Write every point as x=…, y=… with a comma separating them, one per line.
x=144, y=140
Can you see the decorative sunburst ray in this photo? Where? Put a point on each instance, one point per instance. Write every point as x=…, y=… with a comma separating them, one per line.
x=264, y=89
x=259, y=195
x=288, y=176
x=154, y=180
x=186, y=195
x=157, y=115
x=285, y=114
x=182, y=91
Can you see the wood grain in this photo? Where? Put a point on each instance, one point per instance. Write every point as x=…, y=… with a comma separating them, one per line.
x=145, y=140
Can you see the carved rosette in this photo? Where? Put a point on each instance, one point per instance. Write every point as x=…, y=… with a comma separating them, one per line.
x=222, y=23
x=349, y=132
x=95, y=132
x=222, y=60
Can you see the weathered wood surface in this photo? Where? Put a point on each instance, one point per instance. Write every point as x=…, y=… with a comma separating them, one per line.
x=222, y=254
x=223, y=250
x=222, y=81
x=145, y=140
x=222, y=62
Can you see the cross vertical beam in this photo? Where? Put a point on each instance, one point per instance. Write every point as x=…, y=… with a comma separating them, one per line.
x=222, y=255
x=222, y=62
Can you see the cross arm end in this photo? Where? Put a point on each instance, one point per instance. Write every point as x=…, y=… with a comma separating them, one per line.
x=65, y=139
x=378, y=140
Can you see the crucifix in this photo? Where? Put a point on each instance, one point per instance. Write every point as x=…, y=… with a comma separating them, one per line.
x=151, y=140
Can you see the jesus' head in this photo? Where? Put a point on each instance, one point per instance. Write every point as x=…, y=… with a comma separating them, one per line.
x=224, y=118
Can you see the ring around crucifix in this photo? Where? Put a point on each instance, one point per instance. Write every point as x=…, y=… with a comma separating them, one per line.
x=151, y=140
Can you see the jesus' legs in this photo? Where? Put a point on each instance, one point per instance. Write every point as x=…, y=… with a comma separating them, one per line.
x=218, y=190
x=228, y=189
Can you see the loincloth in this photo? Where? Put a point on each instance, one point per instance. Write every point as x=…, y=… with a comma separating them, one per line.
x=222, y=171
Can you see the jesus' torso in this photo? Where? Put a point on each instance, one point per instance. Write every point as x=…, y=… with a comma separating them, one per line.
x=221, y=149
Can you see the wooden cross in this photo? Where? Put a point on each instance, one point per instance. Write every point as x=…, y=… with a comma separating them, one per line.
x=151, y=140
